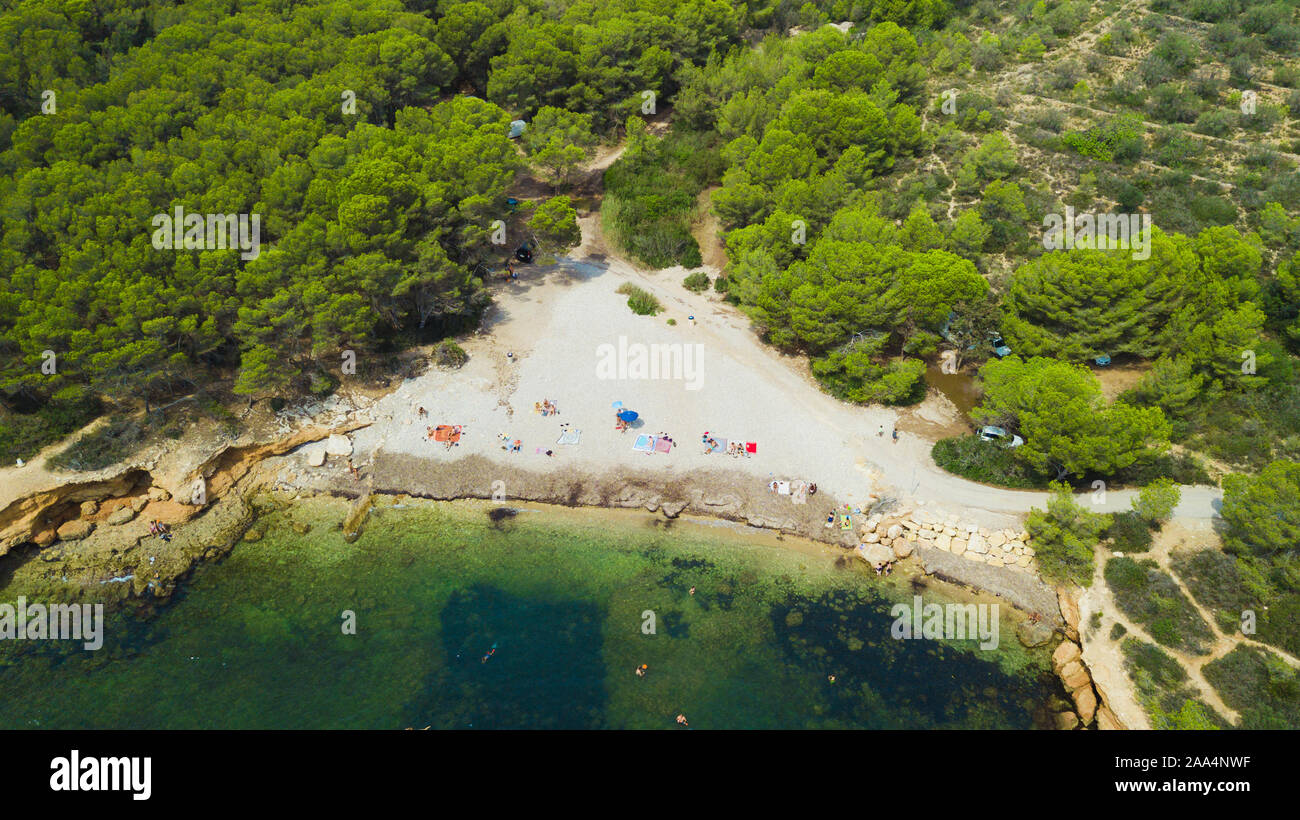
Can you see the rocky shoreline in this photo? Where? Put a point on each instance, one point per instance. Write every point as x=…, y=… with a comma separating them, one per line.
x=96, y=553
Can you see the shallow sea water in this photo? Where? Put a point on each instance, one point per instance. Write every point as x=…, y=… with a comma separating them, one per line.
x=257, y=641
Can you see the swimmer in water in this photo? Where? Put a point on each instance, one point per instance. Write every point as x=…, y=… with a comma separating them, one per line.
x=682, y=720
x=490, y=653
x=641, y=670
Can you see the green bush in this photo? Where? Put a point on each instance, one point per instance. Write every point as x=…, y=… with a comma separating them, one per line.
x=641, y=301
x=1260, y=686
x=722, y=284
x=970, y=457
x=650, y=196
x=853, y=376
x=697, y=282
x=449, y=354
x=1129, y=533
x=1065, y=536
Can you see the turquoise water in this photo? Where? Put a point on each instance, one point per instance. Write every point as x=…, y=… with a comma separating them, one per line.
x=257, y=641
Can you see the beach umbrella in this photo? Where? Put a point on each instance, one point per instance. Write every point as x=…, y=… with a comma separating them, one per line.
x=628, y=416
x=617, y=404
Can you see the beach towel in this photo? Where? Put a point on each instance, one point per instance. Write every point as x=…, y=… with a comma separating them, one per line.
x=663, y=445
x=644, y=443
x=446, y=433
x=751, y=447
x=783, y=488
x=719, y=446
x=569, y=436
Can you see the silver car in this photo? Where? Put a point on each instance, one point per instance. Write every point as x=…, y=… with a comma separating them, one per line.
x=1001, y=436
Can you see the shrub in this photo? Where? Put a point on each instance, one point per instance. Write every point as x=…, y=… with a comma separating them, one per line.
x=970, y=457
x=449, y=354
x=853, y=376
x=697, y=282
x=1156, y=501
x=1129, y=533
x=1065, y=535
x=641, y=301
x=722, y=284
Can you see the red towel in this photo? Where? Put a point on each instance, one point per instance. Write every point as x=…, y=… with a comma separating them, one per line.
x=751, y=447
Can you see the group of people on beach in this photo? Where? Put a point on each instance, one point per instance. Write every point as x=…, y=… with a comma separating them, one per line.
x=160, y=529
x=546, y=407
x=885, y=568
x=735, y=449
x=510, y=445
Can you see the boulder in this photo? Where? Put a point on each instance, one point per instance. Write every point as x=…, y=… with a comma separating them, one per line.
x=139, y=503
x=1106, y=719
x=672, y=509
x=89, y=508
x=894, y=531
x=1033, y=633
x=316, y=457
x=75, y=530
x=121, y=515
x=872, y=538
x=997, y=539
x=943, y=541
x=1085, y=703
x=977, y=543
x=1073, y=675
x=877, y=553
x=902, y=549
x=1066, y=652
x=1066, y=720
x=337, y=445
x=45, y=537
x=159, y=494
x=1069, y=612
x=958, y=546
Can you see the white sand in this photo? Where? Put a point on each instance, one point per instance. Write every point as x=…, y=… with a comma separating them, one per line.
x=555, y=319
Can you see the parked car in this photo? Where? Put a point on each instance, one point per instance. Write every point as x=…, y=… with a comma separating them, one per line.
x=1002, y=437
x=1000, y=348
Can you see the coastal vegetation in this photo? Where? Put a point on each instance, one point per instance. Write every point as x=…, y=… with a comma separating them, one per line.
x=641, y=301
x=1065, y=535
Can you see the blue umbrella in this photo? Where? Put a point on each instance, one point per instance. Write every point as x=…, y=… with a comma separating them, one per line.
x=628, y=416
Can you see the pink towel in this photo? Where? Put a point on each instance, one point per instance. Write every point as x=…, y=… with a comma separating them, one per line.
x=663, y=445
x=751, y=447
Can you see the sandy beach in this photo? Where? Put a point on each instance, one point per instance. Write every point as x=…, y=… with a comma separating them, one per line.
x=543, y=339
